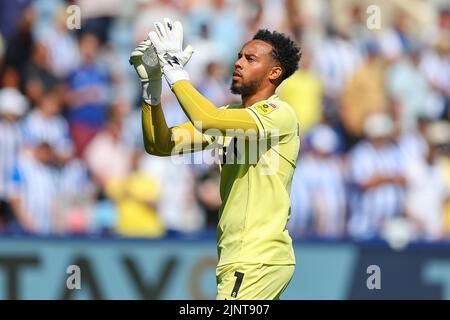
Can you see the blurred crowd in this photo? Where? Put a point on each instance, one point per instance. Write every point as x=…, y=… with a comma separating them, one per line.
x=373, y=105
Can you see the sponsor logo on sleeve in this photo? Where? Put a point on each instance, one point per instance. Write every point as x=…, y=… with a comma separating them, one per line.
x=265, y=108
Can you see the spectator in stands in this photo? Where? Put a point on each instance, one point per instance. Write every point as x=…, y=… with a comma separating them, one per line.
x=435, y=65
x=226, y=28
x=10, y=17
x=395, y=40
x=10, y=77
x=18, y=48
x=413, y=145
x=108, y=156
x=213, y=84
x=439, y=30
x=75, y=204
x=428, y=192
x=208, y=196
x=136, y=197
x=409, y=87
x=359, y=33
x=377, y=178
x=321, y=172
x=46, y=123
x=301, y=221
x=203, y=45
x=88, y=96
x=303, y=91
x=63, y=52
x=177, y=206
x=149, y=11
x=335, y=60
x=363, y=93
x=99, y=16
x=38, y=75
x=13, y=106
x=33, y=188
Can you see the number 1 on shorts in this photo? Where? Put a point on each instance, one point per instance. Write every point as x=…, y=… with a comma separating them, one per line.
x=239, y=276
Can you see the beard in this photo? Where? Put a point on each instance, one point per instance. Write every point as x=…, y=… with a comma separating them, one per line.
x=245, y=89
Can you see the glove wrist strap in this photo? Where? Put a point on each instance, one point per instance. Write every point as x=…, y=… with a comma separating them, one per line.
x=175, y=75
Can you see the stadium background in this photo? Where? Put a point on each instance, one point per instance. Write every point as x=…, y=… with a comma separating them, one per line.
x=77, y=189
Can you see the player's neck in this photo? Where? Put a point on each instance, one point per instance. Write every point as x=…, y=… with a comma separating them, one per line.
x=251, y=99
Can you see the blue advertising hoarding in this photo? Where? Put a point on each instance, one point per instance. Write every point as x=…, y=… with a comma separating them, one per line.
x=181, y=269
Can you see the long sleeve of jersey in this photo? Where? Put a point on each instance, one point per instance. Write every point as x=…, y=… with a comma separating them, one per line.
x=160, y=140
x=205, y=116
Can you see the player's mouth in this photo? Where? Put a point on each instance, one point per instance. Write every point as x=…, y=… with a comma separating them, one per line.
x=236, y=75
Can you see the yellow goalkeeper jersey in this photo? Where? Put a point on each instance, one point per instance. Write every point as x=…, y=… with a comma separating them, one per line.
x=255, y=187
x=256, y=168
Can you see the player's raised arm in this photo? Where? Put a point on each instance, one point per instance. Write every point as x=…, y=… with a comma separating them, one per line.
x=159, y=139
x=168, y=39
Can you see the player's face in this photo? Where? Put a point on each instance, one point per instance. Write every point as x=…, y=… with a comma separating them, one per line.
x=252, y=68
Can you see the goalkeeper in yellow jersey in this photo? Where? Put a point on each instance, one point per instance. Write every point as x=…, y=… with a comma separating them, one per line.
x=257, y=141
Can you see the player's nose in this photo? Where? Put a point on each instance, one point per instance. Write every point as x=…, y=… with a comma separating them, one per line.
x=238, y=64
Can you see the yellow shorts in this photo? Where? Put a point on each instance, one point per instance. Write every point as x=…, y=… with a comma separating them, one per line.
x=252, y=281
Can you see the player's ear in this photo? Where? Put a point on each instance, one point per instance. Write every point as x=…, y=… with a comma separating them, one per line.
x=275, y=74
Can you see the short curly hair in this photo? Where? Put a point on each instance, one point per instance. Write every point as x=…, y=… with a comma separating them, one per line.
x=284, y=50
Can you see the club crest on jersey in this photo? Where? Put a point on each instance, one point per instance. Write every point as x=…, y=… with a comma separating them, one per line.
x=265, y=108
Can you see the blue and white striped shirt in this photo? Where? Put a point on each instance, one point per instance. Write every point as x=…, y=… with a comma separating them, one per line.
x=36, y=184
x=369, y=208
x=319, y=183
x=10, y=143
x=53, y=130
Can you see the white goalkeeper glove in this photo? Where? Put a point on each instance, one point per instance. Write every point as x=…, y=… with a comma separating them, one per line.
x=168, y=42
x=146, y=64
